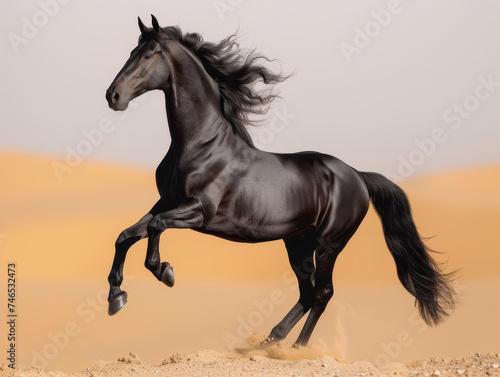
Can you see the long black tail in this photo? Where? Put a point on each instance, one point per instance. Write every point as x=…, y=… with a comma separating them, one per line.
x=418, y=272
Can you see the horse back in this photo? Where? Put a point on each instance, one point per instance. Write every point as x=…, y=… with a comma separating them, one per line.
x=280, y=195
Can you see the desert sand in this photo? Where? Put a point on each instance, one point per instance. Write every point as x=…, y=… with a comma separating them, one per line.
x=61, y=237
x=274, y=362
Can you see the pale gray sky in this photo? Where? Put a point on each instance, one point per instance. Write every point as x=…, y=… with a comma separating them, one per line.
x=374, y=82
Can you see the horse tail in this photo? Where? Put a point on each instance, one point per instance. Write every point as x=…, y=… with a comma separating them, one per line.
x=419, y=273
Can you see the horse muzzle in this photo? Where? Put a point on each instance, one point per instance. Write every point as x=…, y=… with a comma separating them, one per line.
x=115, y=100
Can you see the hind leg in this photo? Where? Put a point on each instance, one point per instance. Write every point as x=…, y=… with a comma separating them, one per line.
x=300, y=254
x=118, y=298
x=326, y=255
x=348, y=207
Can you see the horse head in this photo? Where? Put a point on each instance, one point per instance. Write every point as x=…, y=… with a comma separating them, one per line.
x=148, y=68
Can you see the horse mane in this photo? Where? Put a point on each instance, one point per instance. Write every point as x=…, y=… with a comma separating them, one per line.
x=236, y=74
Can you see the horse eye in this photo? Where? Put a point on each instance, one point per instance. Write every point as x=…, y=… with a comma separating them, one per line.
x=147, y=56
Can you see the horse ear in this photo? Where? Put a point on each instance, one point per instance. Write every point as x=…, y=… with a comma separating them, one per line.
x=156, y=26
x=142, y=27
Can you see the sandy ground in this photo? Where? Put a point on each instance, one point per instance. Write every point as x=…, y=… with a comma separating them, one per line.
x=61, y=237
x=275, y=361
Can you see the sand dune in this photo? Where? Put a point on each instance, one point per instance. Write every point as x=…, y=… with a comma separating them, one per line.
x=81, y=217
x=61, y=236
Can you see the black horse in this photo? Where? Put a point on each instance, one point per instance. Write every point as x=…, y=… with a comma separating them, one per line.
x=215, y=181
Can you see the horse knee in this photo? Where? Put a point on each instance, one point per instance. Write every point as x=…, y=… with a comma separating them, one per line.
x=122, y=237
x=155, y=226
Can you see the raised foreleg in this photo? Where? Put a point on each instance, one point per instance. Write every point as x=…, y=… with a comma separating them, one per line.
x=118, y=298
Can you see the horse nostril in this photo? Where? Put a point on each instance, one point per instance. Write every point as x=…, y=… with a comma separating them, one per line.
x=115, y=97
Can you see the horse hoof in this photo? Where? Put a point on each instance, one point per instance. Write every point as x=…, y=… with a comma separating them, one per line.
x=167, y=275
x=117, y=304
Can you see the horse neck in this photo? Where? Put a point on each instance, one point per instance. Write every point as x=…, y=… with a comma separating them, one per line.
x=192, y=102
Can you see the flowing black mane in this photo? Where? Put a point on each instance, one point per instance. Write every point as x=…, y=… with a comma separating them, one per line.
x=235, y=72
